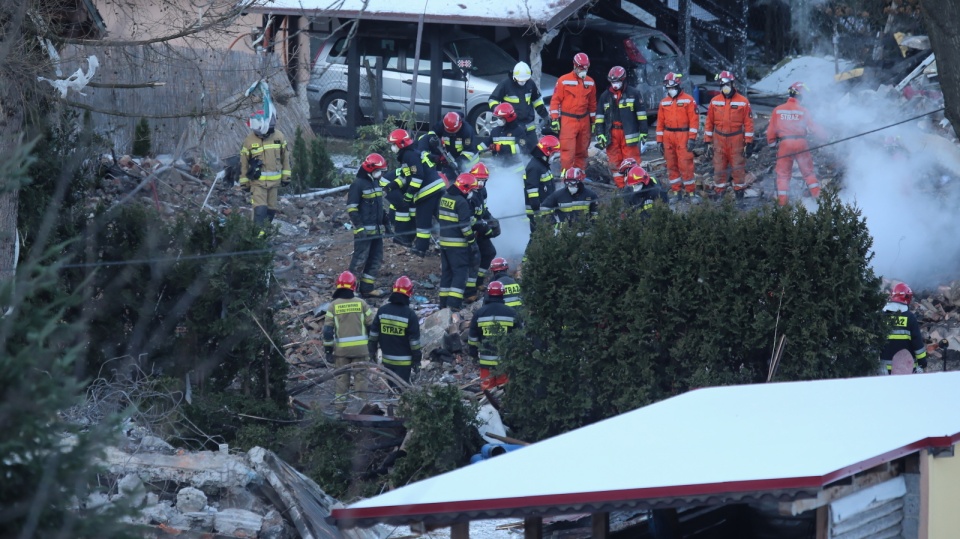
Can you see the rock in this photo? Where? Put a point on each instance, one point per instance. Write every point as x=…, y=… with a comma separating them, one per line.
x=286, y=229
x=433, y=328
x=274, y=527
x=206, y=470
x=201, y=520
x=131, y=487
x=96, y=499
x=191, y=500
x=164, y=513
x=152, y=444
x=241, y=498
x=237, y=522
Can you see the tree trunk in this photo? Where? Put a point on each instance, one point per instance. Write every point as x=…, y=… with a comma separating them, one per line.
x=941, y=17
x=11, y=124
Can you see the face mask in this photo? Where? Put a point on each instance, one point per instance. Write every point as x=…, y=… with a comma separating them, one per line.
x=481, y=184
x=376, y=174
x=554, y=158
x=573, y=188
x=726, y=89
x=582, y=73
x=395, y=148
x=637, y=188
x=672, y=92
x=498, y=122
x=616, y=85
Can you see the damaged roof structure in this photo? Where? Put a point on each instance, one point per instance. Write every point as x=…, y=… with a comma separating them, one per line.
x=823, y=445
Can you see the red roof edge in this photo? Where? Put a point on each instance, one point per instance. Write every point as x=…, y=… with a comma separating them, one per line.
x=347, y=517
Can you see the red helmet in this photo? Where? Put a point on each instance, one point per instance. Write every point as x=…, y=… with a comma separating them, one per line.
x=549, y=145
x=581, y=60
x=638, y=175
x=505, y=111
x=374, y=162
x=726, y=77
x=452, y=122
x=901, y=294
x=480, y=171
x=495, y=289
x=400, y=137
x=617, y=74
x=672, y=80
x=404, y=286
x=797, y=89
x=347, y=280
x=574, y=175
x=628, y=164
x=499, y=264
x=466, y=183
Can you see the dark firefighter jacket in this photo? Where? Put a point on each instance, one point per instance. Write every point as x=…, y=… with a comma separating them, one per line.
x=396, y=330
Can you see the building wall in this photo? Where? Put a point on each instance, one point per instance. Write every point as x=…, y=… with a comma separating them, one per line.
x=941, y=477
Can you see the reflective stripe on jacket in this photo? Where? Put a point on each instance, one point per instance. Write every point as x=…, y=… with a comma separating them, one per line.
x=678, y=114
x=271, y=150
x=729, y=116
x=345, y=327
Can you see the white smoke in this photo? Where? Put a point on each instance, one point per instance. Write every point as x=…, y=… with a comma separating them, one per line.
x=505, y=198
x=904, y=178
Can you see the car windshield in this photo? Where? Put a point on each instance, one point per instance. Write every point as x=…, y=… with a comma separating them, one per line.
x=487, y=58
x=654, y=47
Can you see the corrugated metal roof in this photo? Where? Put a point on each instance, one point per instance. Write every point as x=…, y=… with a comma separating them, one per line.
x=713, y=443
x=542, y=13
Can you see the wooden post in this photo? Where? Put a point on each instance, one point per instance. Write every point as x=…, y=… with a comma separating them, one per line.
x=460, y=530
x=532, y=528
x=601, y=525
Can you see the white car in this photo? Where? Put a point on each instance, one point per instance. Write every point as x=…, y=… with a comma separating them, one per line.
x=466, y=90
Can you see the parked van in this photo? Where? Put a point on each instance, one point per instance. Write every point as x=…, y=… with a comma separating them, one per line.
x=472, y=68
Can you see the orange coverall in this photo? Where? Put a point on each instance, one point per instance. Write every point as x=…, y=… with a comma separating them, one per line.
x=790, y=124
x=677, y=122
x=574, y=102
x=729, y=119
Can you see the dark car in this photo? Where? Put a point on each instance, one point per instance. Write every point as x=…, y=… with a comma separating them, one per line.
x=646, y=53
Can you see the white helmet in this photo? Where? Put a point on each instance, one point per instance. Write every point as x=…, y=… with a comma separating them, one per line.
x=521, y=72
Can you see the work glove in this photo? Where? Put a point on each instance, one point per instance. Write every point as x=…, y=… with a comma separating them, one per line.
x=660, y=148
x=245, y=185
x=602, y=141
x=748, y=149
x=555, y=125
x=709, y=153
x=408, y=198
x=328, y=354
x=689, y=144
x=285, y=181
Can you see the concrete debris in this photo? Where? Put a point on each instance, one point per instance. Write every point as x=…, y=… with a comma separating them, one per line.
x=252, y=495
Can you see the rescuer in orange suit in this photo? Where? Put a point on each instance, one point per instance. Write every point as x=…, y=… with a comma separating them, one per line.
x=677, y=127
x=573, y=110
x=730, y=127
x=790, y=124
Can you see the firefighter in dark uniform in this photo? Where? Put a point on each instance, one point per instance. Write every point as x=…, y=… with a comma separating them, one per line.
x=904, y=330
x=422, y=186
x=493, y=319
x=538, y=180
x=396, y=331
x=521, y=92
x=485, y=228
x=572, y=203
x=458, y=143
x=365, y=209
x=509, y=139
x=643, y=189
x=511, y=288
x=456, y=241
x=621, y=124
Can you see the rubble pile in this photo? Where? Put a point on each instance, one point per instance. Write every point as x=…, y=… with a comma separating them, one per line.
x=249, y=495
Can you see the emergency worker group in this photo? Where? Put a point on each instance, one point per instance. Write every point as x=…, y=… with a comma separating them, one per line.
x=439, y=183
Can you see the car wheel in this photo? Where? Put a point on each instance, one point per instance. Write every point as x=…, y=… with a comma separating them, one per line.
x=481, y=118
x=333, y=109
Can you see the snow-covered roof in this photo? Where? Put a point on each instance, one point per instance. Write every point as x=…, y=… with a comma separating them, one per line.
x=542, y=13
x=709, y=444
